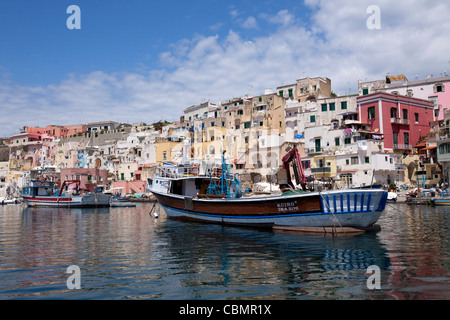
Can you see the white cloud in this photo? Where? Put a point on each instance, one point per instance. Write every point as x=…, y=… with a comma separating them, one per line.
x=250, y=23
x=413, y=39
x=283, y=18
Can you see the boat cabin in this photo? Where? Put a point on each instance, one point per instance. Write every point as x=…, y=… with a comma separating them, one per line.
x=184, y=180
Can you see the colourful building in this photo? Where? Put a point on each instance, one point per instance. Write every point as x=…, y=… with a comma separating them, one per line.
x=89, y=178
x=58, y=131
x=402, y=120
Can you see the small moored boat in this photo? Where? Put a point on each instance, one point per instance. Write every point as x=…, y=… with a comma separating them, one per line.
x=42, y=193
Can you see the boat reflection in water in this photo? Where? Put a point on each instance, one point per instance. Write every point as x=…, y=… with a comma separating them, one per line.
x=270, y=265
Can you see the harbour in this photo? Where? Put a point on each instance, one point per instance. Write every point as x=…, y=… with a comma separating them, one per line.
x=126, y=253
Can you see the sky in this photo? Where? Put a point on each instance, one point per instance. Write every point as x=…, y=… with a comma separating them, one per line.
x=144, y=61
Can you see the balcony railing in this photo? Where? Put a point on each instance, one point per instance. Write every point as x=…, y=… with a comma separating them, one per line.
x=321, y=170
x=400, y=121
x=402, y=146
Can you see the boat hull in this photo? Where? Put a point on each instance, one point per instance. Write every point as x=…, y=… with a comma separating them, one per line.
x=442, y=202
x=84, y=201
x=349, y=208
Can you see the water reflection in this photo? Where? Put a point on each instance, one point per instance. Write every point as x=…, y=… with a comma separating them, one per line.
x=125, y=253
x=269, y=265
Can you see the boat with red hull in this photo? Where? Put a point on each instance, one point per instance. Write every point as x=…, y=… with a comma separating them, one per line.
x=40, y=193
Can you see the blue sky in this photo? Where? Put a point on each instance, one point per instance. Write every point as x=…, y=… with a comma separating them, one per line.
x=146, y=61
x=115, y=35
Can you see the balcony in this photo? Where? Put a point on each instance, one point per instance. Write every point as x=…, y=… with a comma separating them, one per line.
x=321, y=170
x=403, y=122
x=402, y=146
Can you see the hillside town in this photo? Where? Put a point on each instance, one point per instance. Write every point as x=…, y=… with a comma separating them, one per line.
x=393, y=132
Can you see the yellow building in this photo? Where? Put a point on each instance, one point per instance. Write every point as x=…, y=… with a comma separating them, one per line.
x=167, y=150
x=323, y=166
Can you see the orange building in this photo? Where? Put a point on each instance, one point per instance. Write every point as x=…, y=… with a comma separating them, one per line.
x=58, y=131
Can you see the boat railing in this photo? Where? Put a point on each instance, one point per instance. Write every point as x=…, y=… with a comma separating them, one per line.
x=177, y=172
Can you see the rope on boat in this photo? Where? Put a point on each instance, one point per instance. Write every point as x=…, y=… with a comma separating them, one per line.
x=331, y=211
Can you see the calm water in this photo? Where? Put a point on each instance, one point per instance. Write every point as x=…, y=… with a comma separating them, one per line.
x=124, y=253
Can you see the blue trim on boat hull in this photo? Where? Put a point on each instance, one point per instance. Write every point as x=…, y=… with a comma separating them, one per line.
x=347, y=219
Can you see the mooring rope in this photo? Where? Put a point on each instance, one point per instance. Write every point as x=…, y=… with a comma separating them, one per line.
x=412, y=218
x=331, y=211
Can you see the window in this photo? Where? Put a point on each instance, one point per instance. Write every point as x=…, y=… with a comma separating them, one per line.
x=393, y=112
x=306, y=164
x=280, y=93
x=246, y=125
x=367, y=160
x=444, y=148
x=405, y=113
x=371, y=113
x=344, y=105
x=406, y=137
x=332, y=106
x=439, y=87
x=416, y=117
x=312, y=119
x=354, y=160
x=240, y=112
x=365, y=91
x=320, y=163
x=317, y=144
x=348, y=140
x=324, y=107
x=290, y=93
x=337, y=142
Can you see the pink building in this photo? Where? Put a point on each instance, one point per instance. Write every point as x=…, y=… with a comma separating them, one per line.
x=402, y=120
x=28, y=150
x=137, y=185
x=89, y=178
x=436, y=89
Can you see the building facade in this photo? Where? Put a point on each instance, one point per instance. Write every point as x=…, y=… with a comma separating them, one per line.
x=403, y=121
